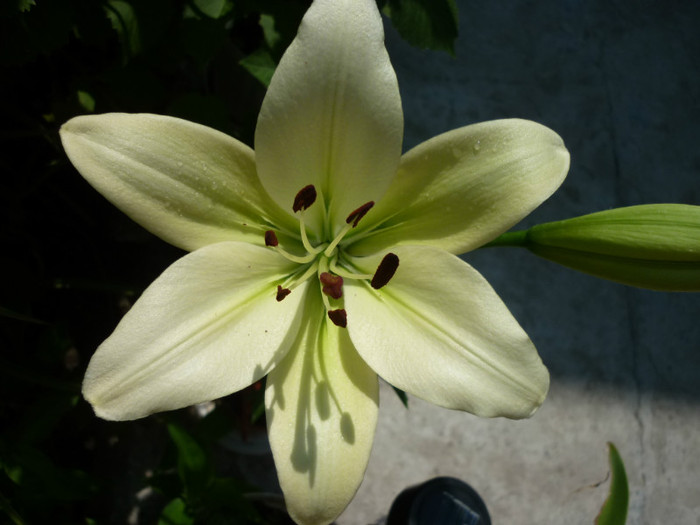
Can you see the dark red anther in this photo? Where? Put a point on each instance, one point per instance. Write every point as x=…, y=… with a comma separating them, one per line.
x=305, y=198
x=385, y=270
x=359, y=213
x=282, y=293
x=271, y=238
x=332, y=285
x=339, y=317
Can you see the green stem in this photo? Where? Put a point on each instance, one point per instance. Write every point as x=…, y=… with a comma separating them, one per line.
x=6, y=506
x=518, y=238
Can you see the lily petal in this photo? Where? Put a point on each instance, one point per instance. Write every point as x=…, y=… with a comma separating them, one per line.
x=188, y=184
x=439, y=331
x=332, y=116
x=207, y=327
x=465, y=187
x=322, y=403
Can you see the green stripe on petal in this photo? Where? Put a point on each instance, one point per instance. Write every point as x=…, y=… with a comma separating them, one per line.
x=440, y=332
x=465, y=187
x=189, y=184
x=332, y=116
x=322, y=405
x=207, y=327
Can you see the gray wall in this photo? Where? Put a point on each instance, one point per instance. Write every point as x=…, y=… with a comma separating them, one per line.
x=620, y=82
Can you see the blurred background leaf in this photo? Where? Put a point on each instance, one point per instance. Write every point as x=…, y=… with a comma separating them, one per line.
x=429, y=24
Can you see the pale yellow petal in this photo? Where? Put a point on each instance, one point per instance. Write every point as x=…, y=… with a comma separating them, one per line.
x=332, y=116
x=439, y=331
x=322, y=403
x=207, y=327
x=189, y=184
x=463, y=188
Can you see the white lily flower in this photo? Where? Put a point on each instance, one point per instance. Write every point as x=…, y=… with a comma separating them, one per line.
x=294, y=274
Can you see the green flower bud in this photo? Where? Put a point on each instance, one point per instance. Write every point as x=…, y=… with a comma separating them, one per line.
x=655, y=246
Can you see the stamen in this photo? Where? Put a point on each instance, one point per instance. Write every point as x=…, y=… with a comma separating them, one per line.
x=360, y=212
x=339, y=317
x=272, y=242
x=351, y=221
x=329, y=250
x=332, y=285
x=346, y=274
x=305, y=198
x=282, y=293
x=305, y=238
x=271, y=238
x=385, y=270
x=308, y=272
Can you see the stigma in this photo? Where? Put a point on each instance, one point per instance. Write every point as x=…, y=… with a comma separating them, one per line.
x=326, y=261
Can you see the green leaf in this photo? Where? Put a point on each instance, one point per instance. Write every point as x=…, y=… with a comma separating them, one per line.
x=203, y=109
x=402, y=395
x=9, y=510
x=430, y=24
x=41, y=417
x=193, y=465
x=213, y=8
x=226, y=496
x=86, y=101
x=270, y=33
x=614, y=510
x=25, y=5
x=39, y=478
x=175, y=513
x=258, y=411
x=125, y=23
x=259, y=64
x=202, y=38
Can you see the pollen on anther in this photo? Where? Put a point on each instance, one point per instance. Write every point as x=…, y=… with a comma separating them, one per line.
x=332, y=285
x=360, y=212
x=385, y=270
x=282, y=293
x=271, y=238
x=305, y=198
x=339, y=317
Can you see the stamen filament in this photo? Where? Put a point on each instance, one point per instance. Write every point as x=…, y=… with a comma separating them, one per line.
x=326, y=302
x=312, y=269
x=346, y=274
x=305, y=239
x=301, y=259
x=339, y=237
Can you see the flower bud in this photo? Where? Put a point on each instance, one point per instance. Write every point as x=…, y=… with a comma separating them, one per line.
x=654, y=246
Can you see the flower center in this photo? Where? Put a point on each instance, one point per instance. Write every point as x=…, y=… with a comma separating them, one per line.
x=326, y=260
